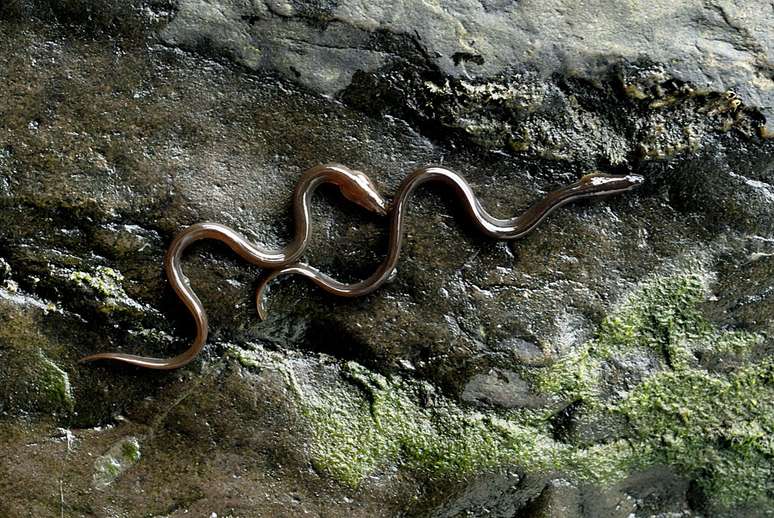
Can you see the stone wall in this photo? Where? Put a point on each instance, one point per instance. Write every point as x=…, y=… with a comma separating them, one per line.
x=616, y=361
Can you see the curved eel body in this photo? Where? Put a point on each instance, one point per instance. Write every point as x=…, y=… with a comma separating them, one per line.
x=590, y=185
x=354, y=185
x=358, y=188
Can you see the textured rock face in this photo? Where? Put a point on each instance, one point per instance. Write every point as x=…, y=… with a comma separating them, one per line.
x=715, y=46
x=617, y=361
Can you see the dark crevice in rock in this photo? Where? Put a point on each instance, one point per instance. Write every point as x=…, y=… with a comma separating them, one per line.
x=562, y=422
x=328, y=336
x=250, y=18
x=464, y=57
x=131, y=20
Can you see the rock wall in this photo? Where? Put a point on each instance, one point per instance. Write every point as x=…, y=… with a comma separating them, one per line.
x=615, y=362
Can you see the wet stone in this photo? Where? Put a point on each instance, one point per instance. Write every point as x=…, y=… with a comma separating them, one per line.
x=614, y=362
x=500, y=388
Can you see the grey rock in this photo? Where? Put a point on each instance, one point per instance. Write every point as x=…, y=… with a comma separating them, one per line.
x=579, y=425
x=498, y=494
x=657, y=491
x=520, y=351
x=559, y=498
x=504, y=389
x=716, y=46
x=481, y=378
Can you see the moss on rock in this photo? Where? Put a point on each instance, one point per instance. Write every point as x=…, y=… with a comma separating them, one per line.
x=360, y=430
x=106, y=284
x=33, y=382
x=717, y=429
x=53, y=385
x=712, y=427
x=105, y=281
x=120, y=457
x=630, y=114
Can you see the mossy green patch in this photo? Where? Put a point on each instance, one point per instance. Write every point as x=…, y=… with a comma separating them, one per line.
x=53, y=386
x=105, y=281
x=735, y=342
x=106, y=284
x=662, y=316
x=716, y=428
x=371, y=421
x=130, y=451
x=713, y=427
x=120, y=457
x=32, y=381
x=347, y=442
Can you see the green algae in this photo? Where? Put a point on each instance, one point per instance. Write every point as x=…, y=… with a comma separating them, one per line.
x=717, y=429
x=33, y=382
x=119, y=458
x=374, y=421
x=662, y=315
x=130, y=450
x=106, y=284
x=40, y=385
x=347, y=443
x=105, y=281
x=714, y=428
x=53, y=385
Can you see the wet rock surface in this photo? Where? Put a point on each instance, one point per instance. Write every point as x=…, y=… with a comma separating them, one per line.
x=616, y=361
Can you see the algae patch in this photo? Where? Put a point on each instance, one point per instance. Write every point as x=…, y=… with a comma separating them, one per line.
x=53, y=385
x=120, y=457
x=33, y=381
x=716, y=428
x=106, y=284
x=39, y=385
x=633, y=113
x=105, y=281
x=365, y=425
x=661, y=316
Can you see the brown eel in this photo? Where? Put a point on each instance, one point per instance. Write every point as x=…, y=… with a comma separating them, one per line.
x=354, y=185
x=358, y=188
x=590, y=185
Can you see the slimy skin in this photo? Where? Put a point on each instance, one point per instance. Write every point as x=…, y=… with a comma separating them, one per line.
x=358, y=188
x=354, y=185
x=590, y=185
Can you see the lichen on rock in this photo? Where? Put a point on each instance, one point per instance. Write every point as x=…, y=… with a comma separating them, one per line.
x=34, y=382
x=563, y=118
x=105, y=284
x=120, y=457
x=713, y=426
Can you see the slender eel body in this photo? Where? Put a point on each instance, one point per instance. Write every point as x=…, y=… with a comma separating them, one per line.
x=355, y=186
x=358, y=188
x=596, y=184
